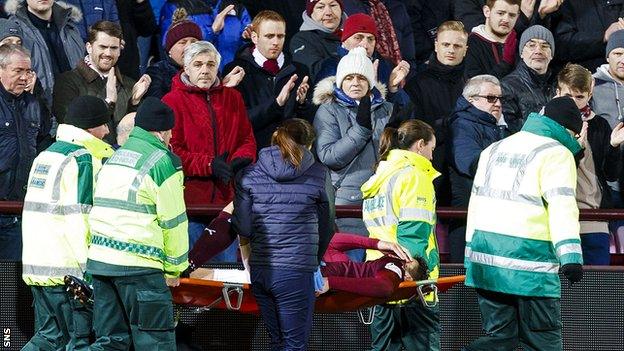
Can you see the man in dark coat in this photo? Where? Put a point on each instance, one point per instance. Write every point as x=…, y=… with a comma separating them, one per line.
x=435, y=90
x=401, y=23
x=584, y=28
x=471, y=14
x=476, y=123
x=492, y=46
x=99, y=76
x=23, y=130
x=531, y=84
x=50, y=33
x=137, y=19
x=360, y=30
x=268, y=87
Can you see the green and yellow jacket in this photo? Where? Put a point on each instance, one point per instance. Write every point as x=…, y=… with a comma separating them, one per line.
x=523, y=217
x=399, y=206
x=139, y=218
x=59, y=196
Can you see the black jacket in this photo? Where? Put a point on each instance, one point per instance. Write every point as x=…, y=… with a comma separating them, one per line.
x=311, y=47
x=525, y=91
x=135, y=20
x=434, y=93
x=24, y=131
x=162, y=73
x=426, y=16
x=259, y=89
x=485, y=57
x=579, y=31
x=607, y=159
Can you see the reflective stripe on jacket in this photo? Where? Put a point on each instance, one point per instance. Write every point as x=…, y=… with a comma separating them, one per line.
x=139, y=216
x=522, y=217
x=58, y=199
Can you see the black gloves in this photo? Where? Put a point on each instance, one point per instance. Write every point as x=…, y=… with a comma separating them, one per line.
x=363, y=116
x=221, y=169
x=239, y=163
x=572, y=271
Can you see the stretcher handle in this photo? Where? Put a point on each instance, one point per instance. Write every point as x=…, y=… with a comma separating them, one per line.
x=371, y=316
x=227, y=290
x=421, y=295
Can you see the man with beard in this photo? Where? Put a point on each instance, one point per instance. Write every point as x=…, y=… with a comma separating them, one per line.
x=530, y=85
x=492, y=46
x=435, y=90
x=98, y=75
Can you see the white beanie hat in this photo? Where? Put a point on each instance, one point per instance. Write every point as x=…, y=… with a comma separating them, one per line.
x=356, y=62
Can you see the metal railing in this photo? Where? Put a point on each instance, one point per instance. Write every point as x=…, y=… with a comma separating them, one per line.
x=15, y=207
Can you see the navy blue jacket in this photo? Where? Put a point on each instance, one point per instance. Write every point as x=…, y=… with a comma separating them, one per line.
x=162, y=73
x=93, y=11
x=24, y=125
x=286, y=212
x=470, y=132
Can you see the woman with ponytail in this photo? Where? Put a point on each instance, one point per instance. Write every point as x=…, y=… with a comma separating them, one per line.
x=399, y=207
x=284, y=207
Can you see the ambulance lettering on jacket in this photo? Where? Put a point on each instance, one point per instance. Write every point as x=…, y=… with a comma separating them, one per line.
x=38, y=179
x=376, y=203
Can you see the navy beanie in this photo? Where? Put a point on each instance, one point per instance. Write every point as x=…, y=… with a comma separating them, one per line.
x=154, y=116
x=87, y=111
x=563, y=110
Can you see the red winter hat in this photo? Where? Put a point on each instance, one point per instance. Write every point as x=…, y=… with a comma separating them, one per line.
x=181, y=27
x=358, y=23
x=311, y=3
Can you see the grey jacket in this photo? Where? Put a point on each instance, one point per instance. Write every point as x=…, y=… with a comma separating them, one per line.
x=608, y=98
x=65, y=16
x=349, y=150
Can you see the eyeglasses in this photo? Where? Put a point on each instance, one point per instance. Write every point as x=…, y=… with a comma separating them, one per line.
x=490, y=98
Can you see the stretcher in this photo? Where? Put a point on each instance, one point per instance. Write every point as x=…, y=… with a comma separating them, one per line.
x=236, y=296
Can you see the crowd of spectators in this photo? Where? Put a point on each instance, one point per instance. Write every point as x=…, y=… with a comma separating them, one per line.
x=233, y=70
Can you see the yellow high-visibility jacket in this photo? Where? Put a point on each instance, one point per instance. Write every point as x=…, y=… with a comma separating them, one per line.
x=139, y=216
x=399, y=206
x=58, y=199
x=523, y=216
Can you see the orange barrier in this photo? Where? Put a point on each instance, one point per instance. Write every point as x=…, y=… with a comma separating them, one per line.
x=210, y=294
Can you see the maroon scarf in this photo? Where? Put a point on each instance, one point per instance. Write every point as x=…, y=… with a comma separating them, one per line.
x=387, y=43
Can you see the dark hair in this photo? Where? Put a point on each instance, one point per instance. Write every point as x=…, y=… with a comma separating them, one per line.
x=404, y=137
x=292, y=137
x=106, y=27
x=490, y=3
x=417, y=273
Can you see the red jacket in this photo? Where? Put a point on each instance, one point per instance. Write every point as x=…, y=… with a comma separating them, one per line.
x=209, y=122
